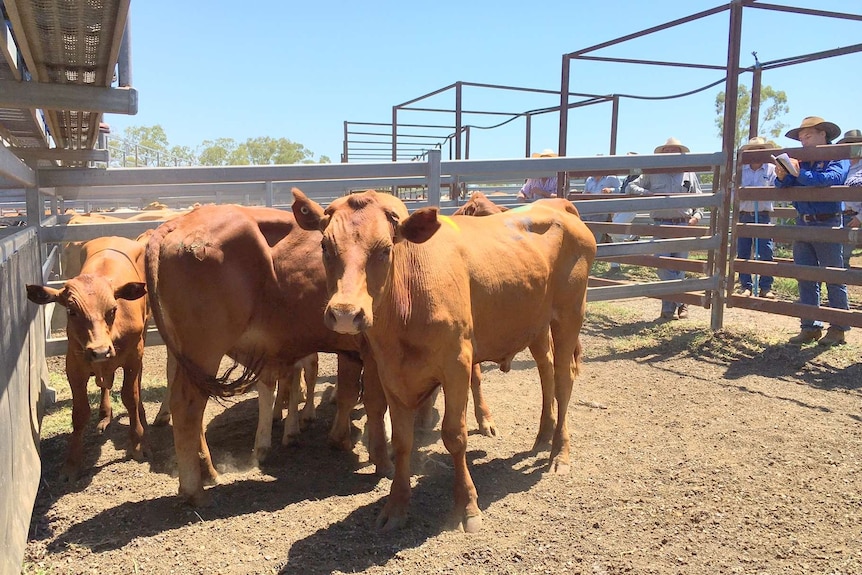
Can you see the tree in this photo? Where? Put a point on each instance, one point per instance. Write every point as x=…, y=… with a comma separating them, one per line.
x=773, y=105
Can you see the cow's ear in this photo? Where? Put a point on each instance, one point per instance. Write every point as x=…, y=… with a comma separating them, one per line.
x=131, y=291
x=42, y=294
x=420, y=226
x=308, y=213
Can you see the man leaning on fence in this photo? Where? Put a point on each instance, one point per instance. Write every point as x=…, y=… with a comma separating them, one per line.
x=670, y=183
x=815, y=131
x=756, y=212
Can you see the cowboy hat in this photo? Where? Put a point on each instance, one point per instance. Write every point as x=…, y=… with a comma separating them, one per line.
x=671, y=142
x=832, y=130
x=758, y=143
x=546, y=153
x=851, y=137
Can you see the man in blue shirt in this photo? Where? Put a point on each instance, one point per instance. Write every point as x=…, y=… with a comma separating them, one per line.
x=815, y=131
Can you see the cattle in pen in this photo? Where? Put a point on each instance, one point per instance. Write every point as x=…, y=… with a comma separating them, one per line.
x=246, y=283
x=106, y=328
x=433, y=296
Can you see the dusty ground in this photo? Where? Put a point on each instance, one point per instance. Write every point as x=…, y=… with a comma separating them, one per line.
x=693, y=453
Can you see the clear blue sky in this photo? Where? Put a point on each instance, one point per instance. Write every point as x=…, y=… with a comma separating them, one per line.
x=298, y=70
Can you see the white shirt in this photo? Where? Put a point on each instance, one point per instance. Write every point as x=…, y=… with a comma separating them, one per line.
x=762, y=176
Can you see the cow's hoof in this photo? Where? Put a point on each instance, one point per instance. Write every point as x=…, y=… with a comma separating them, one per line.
x=290, y=440
x=473, y=524
x=68, y=473
x=542, y=443
x=198, y=499
x=390, y=520
x=136, y=453
x=261, y=454
x=559, y=467
x=103, y=424
x=385, y=469
x=487, y=428
x=340, y=444
x=162, y=419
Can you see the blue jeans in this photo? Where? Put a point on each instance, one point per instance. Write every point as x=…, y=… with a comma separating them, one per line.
x=763, y=249
x=848, y=248
x=665, y=275
x=823, y=255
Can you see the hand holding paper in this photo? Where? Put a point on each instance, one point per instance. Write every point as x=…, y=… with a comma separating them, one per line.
x=788, y=164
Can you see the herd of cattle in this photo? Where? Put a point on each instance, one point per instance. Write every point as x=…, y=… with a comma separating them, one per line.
x=410, y=303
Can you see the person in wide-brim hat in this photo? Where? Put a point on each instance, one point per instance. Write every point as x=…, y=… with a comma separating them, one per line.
x=818, y=123
x=672, y=143
x=758, y=143
x=851, y=137
x=546, y=153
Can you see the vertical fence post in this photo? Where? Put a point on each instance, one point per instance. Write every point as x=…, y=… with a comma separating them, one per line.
x=269, y=194
x=433, y=177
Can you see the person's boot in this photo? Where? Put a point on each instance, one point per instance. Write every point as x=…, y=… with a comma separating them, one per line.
x=682, y=311
x=834, y=336
x=807, y=334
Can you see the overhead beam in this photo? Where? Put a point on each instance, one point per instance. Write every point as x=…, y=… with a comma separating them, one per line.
x=68, y=97
x=62, y=155
x=14, y=172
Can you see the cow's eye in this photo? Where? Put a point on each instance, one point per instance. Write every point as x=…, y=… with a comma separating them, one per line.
x=110, y=315
x=72, y=311
x=383, y=253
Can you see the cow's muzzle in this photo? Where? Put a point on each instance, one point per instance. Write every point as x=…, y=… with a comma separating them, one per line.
x=97, y=354
x=346, y=318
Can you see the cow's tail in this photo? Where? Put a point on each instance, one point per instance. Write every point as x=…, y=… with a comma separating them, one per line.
x=578, y=355
x=209, y=385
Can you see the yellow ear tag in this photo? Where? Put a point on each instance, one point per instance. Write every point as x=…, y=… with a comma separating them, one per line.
x=448, y=220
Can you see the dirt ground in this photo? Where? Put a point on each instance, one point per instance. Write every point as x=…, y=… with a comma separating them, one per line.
x=693, y=452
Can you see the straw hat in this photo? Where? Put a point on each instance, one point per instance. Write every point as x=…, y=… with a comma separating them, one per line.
x=818, y=123
x=671, y=142
x=851, y=137
x=546, y=153
x=758, y=143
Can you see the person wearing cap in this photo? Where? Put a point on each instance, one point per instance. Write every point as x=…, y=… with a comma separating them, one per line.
x=815, y=131
x=756, y=212
x=538, y=188
x=852, y=214
x=670, y=183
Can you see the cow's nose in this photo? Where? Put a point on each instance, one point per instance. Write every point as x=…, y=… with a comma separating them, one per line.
x=102, y=353
x=345, y=318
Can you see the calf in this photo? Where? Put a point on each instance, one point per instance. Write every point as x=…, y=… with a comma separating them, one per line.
x=433, y=296
x=107, y=315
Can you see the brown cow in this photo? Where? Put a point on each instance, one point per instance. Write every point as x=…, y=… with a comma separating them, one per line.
x=479, y=205
x=107, y=315
x=434, y=296
x=247, y=283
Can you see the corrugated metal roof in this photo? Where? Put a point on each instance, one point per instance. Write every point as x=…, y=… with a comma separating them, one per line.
x=60, y=42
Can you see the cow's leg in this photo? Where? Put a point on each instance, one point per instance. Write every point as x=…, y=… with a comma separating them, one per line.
x=131, y=394
x=541, y=350
x=349, y=372
x=466, y=509
x=290, y=379
x=78, y=377
x=194, y=464
x=106, y=410
x=310, y=367
x=265, y=397
x=426, y=414
x=480, y=407
x=163, y=417
x=394, y=513
x=375, y=411
x=566, y=349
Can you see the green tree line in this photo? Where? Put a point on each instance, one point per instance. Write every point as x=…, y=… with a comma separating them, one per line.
x=149, y=146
